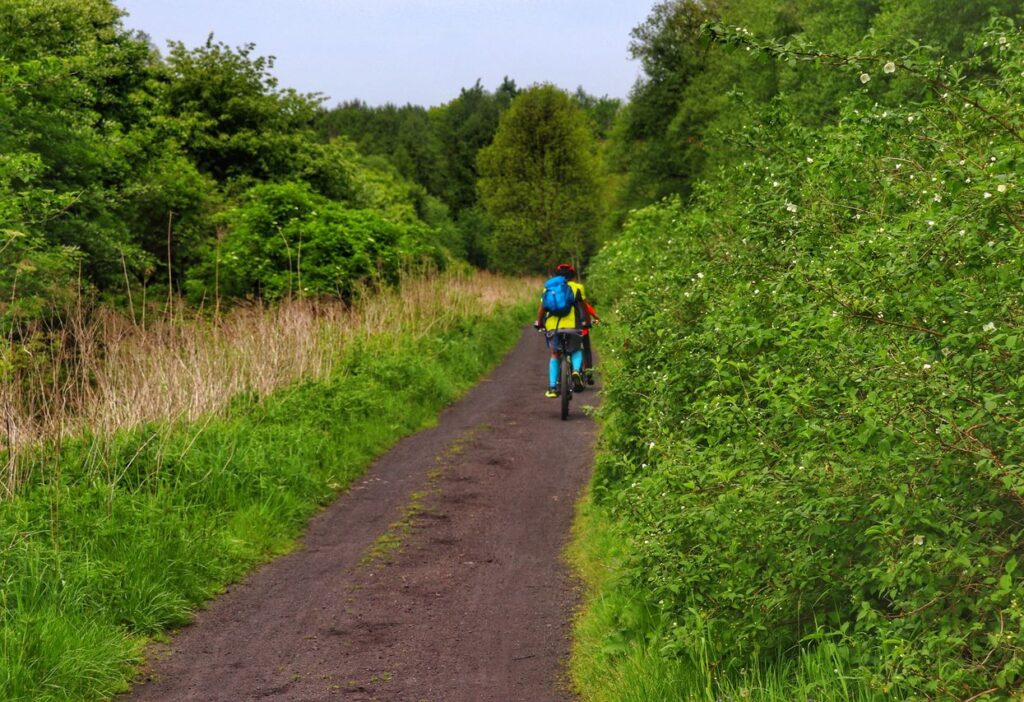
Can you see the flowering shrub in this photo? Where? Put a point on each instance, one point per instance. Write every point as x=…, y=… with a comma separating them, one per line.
x=815, y=401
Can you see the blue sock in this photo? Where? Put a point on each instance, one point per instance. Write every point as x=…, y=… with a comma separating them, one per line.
x=577, y=361
x=553, y=372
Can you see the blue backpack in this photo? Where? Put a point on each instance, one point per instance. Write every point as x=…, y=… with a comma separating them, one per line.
x=558, y=296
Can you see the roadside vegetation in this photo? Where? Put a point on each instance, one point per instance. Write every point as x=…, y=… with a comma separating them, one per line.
x=193, y=450
x=112, y=373
x=809, y=485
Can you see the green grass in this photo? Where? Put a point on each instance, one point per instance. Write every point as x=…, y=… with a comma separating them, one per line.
x=613, y=662
x=134, y=531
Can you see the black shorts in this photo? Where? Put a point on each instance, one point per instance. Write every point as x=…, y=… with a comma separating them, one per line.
x=572, y=341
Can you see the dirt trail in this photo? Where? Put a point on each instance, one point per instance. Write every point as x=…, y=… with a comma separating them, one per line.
x=474, y=605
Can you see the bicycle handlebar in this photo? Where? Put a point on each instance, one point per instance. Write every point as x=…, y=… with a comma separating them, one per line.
x=569, y=332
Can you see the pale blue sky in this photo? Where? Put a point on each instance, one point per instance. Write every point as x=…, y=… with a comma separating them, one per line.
x=416, y=51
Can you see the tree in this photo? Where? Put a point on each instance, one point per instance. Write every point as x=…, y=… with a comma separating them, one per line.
x=237, y=122
x=404, y=135
x=538, y=181
x=464, y=126
x=76, y=92
x=692, y=99
x=602, y=111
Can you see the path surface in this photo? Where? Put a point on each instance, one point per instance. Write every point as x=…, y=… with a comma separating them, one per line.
x=474, y=606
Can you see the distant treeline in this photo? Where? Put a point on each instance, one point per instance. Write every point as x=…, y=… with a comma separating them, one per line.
x=438, y=149
x=127, y=172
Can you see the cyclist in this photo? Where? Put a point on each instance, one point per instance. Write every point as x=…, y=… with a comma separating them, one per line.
x=575, y=318
x=588, y=355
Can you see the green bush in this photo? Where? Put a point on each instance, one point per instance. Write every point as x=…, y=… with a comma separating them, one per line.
x=814, y=423
x=285, y=240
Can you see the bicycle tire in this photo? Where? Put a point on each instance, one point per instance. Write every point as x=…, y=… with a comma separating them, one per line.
x=565, y=380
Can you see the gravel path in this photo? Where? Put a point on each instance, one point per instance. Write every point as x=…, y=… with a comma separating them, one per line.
x=437, y=578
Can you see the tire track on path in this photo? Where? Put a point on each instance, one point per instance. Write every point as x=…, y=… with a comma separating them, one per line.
x=465, y=598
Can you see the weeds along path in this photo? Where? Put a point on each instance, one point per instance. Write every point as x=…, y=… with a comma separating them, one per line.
x=438, y=577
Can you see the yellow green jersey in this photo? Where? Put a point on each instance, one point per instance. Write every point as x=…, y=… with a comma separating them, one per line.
x=552, y=322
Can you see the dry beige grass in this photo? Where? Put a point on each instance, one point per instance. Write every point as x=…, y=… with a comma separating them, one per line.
x=113, y=373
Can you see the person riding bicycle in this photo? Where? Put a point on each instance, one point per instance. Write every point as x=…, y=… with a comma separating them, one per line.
x=588, y=354
x=576, y=318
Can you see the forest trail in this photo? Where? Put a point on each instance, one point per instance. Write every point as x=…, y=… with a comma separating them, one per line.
x=438, y=577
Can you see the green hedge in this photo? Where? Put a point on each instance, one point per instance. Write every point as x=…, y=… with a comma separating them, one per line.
x=814, y=402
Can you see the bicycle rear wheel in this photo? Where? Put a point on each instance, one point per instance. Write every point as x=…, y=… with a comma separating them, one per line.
x=565, y=384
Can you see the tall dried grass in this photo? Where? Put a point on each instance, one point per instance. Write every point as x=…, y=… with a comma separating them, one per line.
x=105, y=372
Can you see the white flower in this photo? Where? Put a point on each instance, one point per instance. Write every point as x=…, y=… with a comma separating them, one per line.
x=910, y=119
x=810, y=160
x=987, y=195
x=937, y=198
x=700, y=275
x=990, y=327
x=1003, y=40
x=864, y=77
x=931, y=222
x=1002, y=187
x=650, y=445
x=775, y=183
x=791, y=207
x=926, y=366
x=889, y=67
x=919, y=540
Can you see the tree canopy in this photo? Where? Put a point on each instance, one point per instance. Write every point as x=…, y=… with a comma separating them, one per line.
x=539, y=182
x=691, y=101
x=121, y=167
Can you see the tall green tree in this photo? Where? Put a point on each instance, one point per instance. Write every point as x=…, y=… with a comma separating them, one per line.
x=74, y=84
x=405, y=135
x=465, y=125
x=539, y=182
x=236, y=121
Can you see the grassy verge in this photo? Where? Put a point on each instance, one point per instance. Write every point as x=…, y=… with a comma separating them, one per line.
x=612, y=663
x=118, y=537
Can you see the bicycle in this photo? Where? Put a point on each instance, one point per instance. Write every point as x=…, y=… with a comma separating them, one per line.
x=565, y=384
